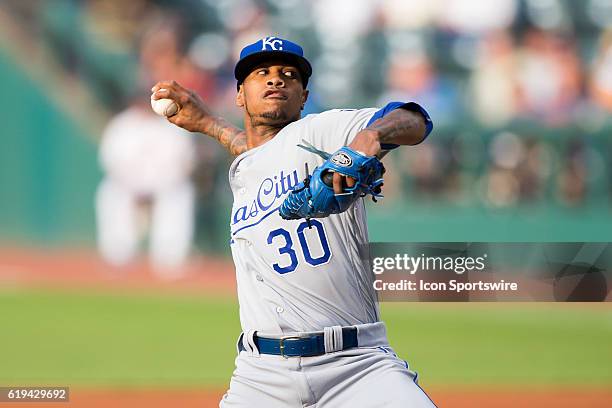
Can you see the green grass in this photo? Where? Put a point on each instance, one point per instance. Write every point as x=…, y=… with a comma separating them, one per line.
x=98, y=339
x=528, y=344
x=102, y=339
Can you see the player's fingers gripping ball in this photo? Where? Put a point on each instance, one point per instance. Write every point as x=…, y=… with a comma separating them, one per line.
x=165, y=106
x=315, y=197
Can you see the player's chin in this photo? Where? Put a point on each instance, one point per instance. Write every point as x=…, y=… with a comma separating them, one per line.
x=275, y=114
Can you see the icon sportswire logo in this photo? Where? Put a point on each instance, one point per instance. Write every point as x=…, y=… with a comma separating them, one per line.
x=268, y=193
x=274, y=44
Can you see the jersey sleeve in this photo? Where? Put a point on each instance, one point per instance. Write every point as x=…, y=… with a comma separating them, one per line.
x=332, y=129
x=335, y=128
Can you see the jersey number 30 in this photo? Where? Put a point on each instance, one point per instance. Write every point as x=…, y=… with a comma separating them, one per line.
x=291, y=260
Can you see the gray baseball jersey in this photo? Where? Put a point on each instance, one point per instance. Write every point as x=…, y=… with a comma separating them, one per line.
x=296, y=276
x=299, y=276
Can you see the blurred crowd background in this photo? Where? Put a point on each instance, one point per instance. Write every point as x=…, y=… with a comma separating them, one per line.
x=520, y=93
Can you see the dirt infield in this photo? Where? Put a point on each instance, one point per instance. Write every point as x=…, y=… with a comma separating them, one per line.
x=475, y=398
x=82, y=269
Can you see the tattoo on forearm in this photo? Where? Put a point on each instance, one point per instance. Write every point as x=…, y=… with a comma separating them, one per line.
x=238, y=144
x=400, y=127
x=230, y=137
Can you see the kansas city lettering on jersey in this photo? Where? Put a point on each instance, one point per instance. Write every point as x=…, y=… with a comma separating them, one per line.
x=269, y=191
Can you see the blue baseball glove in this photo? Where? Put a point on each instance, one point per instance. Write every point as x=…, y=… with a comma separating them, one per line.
x=315, y=197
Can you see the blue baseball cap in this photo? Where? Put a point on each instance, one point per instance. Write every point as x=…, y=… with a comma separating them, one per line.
x=270, y=48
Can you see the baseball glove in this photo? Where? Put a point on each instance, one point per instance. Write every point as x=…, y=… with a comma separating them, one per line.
x=315, y=197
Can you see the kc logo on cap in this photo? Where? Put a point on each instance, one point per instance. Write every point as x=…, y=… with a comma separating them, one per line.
x=272, y=48
x=275, y=44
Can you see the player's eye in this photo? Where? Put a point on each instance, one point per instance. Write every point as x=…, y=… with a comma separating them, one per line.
x=261, y=72
x=290, y=74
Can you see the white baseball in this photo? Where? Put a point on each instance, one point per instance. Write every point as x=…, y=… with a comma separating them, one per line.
x=164, y=107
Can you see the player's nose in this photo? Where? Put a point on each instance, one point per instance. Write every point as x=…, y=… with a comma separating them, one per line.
x=276, y=81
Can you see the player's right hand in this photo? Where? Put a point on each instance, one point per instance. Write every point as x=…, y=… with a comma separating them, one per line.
x=192, y=110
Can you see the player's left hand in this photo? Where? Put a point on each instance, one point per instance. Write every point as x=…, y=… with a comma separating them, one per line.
x=366, y=142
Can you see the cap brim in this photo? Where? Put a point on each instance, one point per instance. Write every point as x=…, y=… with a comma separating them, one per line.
x=245, y=66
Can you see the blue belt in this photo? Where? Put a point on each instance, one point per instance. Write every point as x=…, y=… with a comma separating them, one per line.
x=300, y=346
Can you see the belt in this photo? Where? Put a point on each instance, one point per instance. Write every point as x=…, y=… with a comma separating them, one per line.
x=307, y=345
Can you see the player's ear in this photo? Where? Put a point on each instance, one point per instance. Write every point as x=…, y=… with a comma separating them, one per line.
x=304, y=97
x=240, y=96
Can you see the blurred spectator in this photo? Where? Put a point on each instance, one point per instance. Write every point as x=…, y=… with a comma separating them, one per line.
x=431, y=170
x=493, y=82
x=409, y=14
x=476, y=17
x=572, y=178
x=534, y=171
x=549, y=77
x=507, y=153
x=240, y=15
x=341, y=23
x=518, y=170
x=600, y=84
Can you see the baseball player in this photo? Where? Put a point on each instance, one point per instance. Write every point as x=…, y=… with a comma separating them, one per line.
x=135, y=144
x=312, y=334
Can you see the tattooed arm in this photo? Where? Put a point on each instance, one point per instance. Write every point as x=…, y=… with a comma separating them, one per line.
x=230, y=136
x=195, y=116
x=400, y=127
